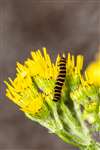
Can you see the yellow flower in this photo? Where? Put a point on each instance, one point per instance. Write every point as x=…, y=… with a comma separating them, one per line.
x=42, y=66
x=26, y=97
x=71, y=65
x=35, y=80
x=73, y=71
x=91, y=106
x=93, y=73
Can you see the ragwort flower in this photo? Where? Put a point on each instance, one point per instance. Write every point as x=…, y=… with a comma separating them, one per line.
x=34, y=83
x=35, y=80
x=93, y=73
x=33, y=91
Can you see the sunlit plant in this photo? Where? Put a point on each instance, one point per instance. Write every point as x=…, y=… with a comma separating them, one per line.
x=59, y=96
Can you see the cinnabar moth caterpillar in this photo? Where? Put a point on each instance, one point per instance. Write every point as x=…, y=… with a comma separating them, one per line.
x=60, y=79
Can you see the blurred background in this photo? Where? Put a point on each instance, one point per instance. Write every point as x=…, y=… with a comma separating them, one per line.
x=59, y=25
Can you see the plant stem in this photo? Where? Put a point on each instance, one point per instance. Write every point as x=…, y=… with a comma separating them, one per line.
x=93, y=146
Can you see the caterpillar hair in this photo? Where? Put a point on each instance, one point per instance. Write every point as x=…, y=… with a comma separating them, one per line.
x=60, y=79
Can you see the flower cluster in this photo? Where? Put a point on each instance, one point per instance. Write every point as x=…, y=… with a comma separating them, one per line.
x=33, y=91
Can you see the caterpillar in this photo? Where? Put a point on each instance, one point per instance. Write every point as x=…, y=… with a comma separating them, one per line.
x=60, y=79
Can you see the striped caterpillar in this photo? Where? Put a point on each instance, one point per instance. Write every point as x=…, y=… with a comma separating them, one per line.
x=60, y=79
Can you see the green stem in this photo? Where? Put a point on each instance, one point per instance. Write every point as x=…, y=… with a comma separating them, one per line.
x=93, y=146
x=78, y=131
x=79, y=116
x=67, y=138
x=56, y=118
x=60, y=129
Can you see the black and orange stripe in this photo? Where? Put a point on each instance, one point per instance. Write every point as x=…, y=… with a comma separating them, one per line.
x=60, y=79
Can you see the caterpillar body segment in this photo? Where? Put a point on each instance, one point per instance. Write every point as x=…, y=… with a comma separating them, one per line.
x=60, y=79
